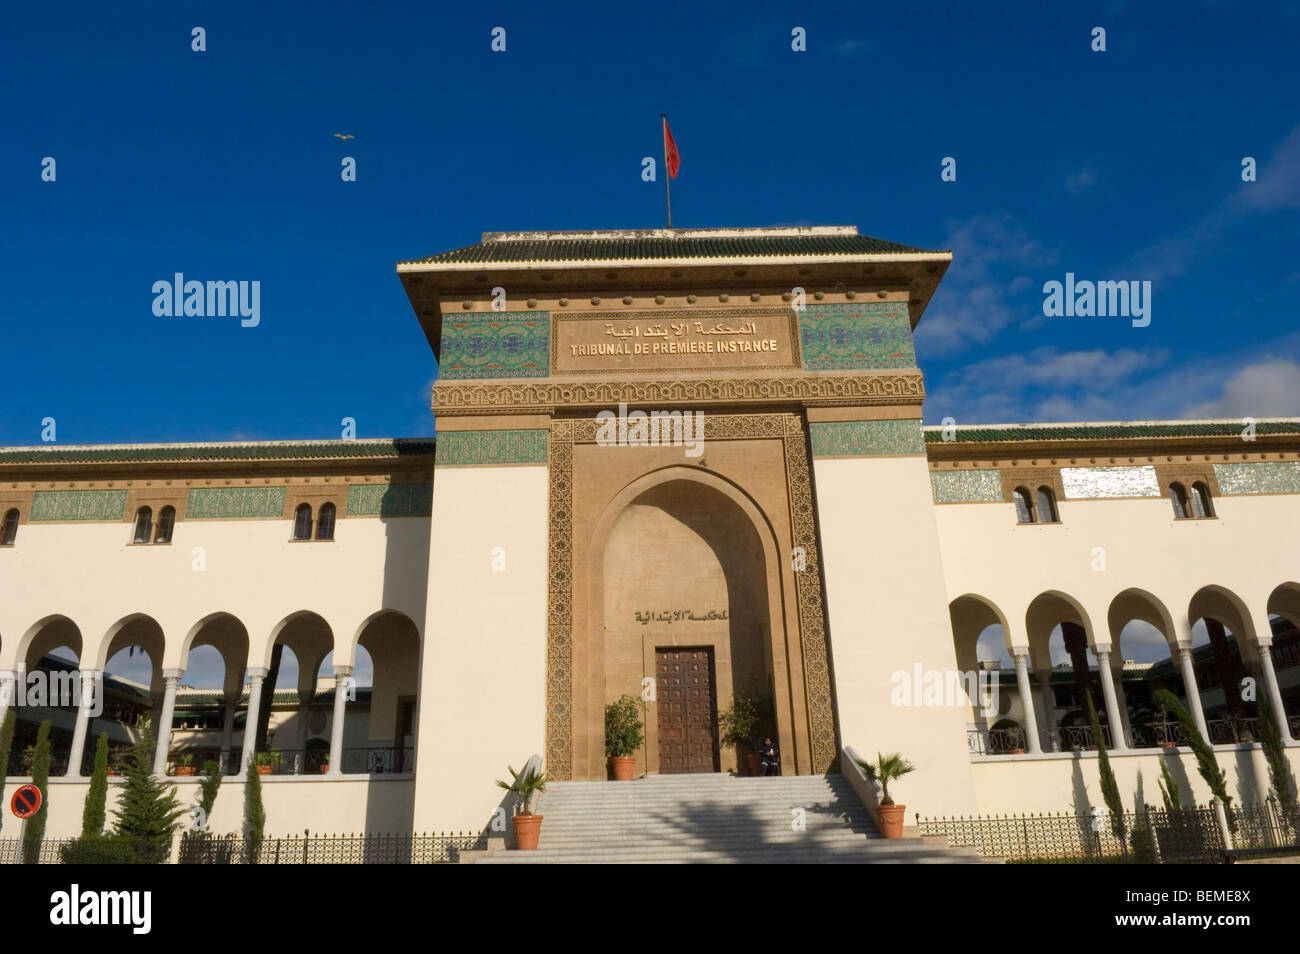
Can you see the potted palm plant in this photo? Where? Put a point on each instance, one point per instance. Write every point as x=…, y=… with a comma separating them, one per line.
x=526, y=786
x=325, y=763
x=185, y=764
x=886, y=769
x=623, y=736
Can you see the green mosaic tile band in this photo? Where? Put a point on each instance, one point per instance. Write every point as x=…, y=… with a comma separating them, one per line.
x=1262, y=477
x=866, y=438
x=856, y=336
x=233, y=503
x=78, y=505
x=966, y=486
x=492, y=447
x=390, y=500
x=501, y=344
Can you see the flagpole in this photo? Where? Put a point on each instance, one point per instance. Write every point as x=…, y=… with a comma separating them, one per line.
x=668, y=195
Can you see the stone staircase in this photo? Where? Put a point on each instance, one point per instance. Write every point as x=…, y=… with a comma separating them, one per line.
x=715, y=819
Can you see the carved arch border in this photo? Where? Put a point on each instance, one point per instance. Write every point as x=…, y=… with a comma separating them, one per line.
x=791, y=428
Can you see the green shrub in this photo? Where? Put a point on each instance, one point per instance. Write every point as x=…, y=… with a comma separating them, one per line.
x=623, y=735
x=101, y=850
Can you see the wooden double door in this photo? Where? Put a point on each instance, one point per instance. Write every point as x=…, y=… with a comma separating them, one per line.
x=688, y=711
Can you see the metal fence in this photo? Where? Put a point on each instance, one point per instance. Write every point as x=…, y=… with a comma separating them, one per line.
x=11, y=851
x=1157, y=836
x=383, y=849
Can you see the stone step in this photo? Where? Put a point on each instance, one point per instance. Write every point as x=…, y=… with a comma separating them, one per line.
x=717, y=818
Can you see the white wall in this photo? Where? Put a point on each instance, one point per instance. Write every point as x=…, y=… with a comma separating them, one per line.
x=888, y=613
x=483, y=673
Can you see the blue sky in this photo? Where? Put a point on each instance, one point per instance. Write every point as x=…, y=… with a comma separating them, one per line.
x=222, y=165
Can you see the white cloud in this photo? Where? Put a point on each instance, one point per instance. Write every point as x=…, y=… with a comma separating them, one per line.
x=1047, y=384
x=1076, y=182
x=1268, y=388
x=990, y=257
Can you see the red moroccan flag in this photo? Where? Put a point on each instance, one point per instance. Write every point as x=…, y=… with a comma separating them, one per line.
x=671, y=158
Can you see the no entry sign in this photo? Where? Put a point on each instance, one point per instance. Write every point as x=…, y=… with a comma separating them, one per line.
x=26, y=801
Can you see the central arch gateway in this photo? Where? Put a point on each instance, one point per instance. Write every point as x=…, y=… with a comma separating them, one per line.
x=645, y=541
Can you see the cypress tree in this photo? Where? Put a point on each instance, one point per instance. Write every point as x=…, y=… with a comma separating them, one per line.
x=148, y=810
x=208, y=788
x=254, y=815
x=1109, y=787
x=34, y=833
x=1206, y=764
x=92, y=816
x=6, y=743
x=1173, y=798
x=1281, y=781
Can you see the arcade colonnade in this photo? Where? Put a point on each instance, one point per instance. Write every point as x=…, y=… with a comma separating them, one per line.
x=390, y=637
x=1028, y=626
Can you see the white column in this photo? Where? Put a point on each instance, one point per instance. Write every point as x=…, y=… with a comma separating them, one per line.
x=342, y=676
x=228, y=732
x=1271, y=687
x=1021, y=656
x=8, y=692
x=1117, y=740
x=1190, y=689
x=255, y=679
x=164, y=729
x=85, y=702
x=1046, y=696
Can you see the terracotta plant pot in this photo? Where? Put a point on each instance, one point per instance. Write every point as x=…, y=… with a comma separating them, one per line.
x=264, y=769
x=324, y=769
x=755, y=764
x=185, y=770
x=1169, y=745
x=890, y=820
x=622, y=767
x=528, y=828
x=1017, y=751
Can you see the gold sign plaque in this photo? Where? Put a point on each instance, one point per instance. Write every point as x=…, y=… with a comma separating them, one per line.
x=712, y=339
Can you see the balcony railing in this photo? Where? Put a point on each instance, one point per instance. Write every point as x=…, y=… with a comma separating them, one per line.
x=1150, y=735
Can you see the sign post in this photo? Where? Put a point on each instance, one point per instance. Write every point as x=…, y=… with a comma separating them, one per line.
x=25, y=803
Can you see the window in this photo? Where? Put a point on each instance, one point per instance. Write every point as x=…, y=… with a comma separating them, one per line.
x=1178, y=497
x=325, y=522
x=1047, y=506
x=1024, y=509
x=1201, y=505
x=166, y=520
x=302, y=522
x=9, y=529
x=143, y=525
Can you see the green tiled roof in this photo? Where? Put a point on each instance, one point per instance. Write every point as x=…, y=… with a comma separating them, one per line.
x=238, y=451
x=996, y=433
x=657, y=244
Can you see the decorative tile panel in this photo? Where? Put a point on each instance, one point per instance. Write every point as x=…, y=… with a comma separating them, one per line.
x=491, y=447
x=235, y=503
x=499, y=344
x=1261, y=477
x=390, y=500
x=1083, y=482
x=966, y=486
x=866, y=438
x=78, y=505
x=856, y=336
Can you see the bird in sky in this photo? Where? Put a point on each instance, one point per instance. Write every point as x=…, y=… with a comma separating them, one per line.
x=344, y=136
